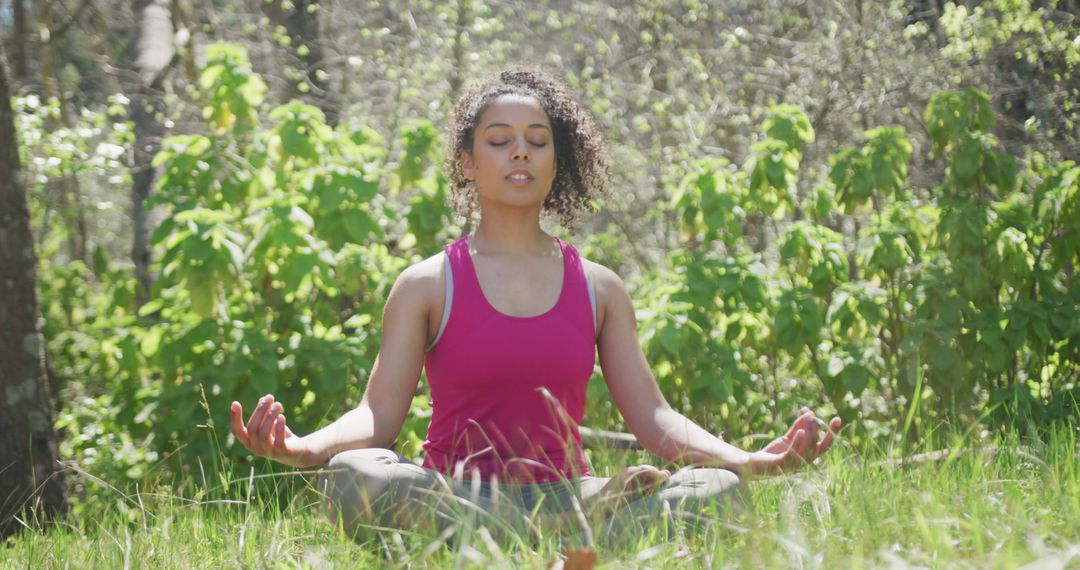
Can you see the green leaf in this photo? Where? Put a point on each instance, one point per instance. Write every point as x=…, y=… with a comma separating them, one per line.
x=855, y=379
x=151, y=307
x=151, y=341
x=264, y=382
x=359, y=225
x=788, y=124
x=331, y=197
x=203, y=291
x=671, y=340
x=1001, y=171
x=967, y=159
x=236, y=253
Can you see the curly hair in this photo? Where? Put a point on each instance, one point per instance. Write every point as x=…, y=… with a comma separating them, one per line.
x=581, y=170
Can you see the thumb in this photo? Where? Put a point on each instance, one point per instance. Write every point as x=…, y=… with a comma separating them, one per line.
x=236, y=420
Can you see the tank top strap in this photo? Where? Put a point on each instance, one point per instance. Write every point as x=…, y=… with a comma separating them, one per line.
x=577, y=295
x=468, y=297
x=574, y=277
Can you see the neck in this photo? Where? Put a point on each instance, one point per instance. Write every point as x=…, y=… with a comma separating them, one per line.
x=511, y=232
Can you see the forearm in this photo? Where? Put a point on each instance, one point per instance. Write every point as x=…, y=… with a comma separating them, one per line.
x=679, y=440
x=356, y=429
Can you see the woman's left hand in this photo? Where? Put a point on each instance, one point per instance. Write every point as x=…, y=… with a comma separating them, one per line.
x=799, y=447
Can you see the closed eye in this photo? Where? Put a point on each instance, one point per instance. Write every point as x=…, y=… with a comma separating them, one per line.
x=502, y=143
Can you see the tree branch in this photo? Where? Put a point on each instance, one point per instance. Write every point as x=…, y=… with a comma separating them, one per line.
x=59, y=32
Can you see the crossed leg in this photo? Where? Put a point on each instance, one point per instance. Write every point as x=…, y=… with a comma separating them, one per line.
x=377, y=488
x=368, y=488
x=691, y=495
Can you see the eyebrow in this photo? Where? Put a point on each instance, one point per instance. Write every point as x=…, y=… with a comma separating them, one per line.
x=532, y=126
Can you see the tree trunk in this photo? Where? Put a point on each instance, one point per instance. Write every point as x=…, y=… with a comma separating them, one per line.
x=30, y=478
x=181, y=10
x=301, y=24
x=20, y=38
x=457, y=53
x=154, y=53
x=66, y=187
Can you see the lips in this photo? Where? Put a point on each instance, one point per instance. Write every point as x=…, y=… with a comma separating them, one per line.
x=520, y=176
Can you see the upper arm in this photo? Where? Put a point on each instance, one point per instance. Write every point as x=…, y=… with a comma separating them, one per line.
x=396, y=371
x=622, y=361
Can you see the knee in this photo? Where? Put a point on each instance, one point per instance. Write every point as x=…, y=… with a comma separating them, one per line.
x=705, y=484
x=726, y=484
x=353, y=480
x=355, y=471
x=728, y=480
x=354, y=458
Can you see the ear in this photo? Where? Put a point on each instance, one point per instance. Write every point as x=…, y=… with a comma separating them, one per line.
x=467, y=167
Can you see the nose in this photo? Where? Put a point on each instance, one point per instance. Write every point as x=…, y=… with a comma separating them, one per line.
x=521, y=150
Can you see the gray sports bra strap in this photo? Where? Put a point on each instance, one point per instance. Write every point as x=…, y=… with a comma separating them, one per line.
x=448, y=301
x=592, y=297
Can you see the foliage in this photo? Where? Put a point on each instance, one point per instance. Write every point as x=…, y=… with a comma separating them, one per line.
x=781, y=246
x=947, y=304
x=274, y=265
x=273, y=272
x=1027, y=52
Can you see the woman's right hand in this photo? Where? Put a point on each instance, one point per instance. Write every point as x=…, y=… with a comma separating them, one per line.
x=629, y=484
x=267, y=435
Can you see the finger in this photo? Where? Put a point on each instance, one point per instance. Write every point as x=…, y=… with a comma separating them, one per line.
x=805, y=421
x=260, y=412
x=654, y=480
x=659, y=476
x=636, y=474
x=643, y=478
x=256, y=438
x=279, y=432
x=809, y=423
x=266, y=428
x=830, y=436
x=798, y=446
x=793, y=443
x=790, y=435
x=236, y=417
x=814, y=434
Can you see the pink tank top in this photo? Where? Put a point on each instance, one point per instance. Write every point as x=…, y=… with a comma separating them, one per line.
x=508, y=392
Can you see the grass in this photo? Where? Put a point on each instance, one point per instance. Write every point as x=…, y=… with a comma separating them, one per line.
x=972, y=507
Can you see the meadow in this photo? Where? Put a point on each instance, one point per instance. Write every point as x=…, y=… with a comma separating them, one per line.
x=1008, y=502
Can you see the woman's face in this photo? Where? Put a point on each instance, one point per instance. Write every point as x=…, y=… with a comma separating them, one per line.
x=512, y=159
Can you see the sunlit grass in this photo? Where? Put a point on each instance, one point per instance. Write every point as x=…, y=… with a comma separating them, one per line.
x=998, y=504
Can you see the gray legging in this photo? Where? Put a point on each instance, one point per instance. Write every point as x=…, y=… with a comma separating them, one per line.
x=377, y=488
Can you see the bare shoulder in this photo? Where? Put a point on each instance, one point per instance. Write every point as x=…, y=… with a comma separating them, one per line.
x=612, y=297
x=422, y=282
x=604, y=279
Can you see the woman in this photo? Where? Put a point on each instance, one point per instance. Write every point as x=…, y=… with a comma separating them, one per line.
x=507, y=322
